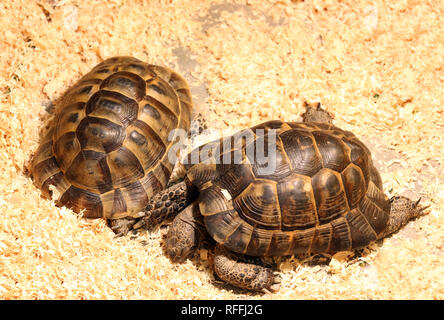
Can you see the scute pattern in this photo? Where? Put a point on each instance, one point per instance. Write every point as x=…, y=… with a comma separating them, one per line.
x=107, y=150
x=302, y=151
x=331, y=200
x=297, y=202
x=257, y=204
x=322, y=197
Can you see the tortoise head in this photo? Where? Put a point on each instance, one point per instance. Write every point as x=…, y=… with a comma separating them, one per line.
x=412, y=209
x=315, y=113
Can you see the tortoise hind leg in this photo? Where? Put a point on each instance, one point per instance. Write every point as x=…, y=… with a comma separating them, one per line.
x=244, y=275
x=185, y=233
x=315, y=113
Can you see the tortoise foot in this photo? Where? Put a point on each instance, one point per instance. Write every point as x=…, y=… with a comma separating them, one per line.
x=121, y=227
x=245, y=275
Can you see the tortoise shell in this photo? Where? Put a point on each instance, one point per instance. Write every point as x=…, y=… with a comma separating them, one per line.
x=323, y=196
x=107, y=147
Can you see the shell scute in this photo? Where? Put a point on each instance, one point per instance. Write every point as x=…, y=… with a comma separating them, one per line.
x=329, y=192
x=302, y=151
x=297, y=202
x=257, y=205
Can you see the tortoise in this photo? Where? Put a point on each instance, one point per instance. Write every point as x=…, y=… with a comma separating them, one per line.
x=106, y=150
x=323, y=196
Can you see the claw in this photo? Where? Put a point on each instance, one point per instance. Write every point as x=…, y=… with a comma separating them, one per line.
x=140, y=214
x=266, y=291
x=275, y=287
x=118, y=235
x=115, y=228
x=139, y=224
x=420, y=208
x=142, y=222
x=278, y=278
x=417, y=202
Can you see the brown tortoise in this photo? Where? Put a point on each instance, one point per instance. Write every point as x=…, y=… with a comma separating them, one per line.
x=324, y=196
x=106, y=150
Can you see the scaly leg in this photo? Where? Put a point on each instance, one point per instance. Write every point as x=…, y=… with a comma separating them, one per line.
x=244, y=275
x=185, y=233
x=166, y=204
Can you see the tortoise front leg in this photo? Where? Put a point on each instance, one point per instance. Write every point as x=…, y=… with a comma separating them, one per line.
x=244, y=275
x=160, y=208
x=166, y=204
